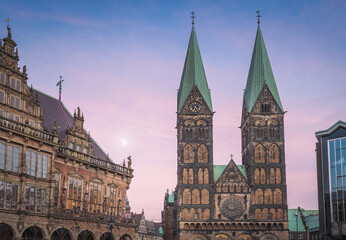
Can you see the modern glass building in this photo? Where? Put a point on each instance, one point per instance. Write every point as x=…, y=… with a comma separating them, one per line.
x=331, y=172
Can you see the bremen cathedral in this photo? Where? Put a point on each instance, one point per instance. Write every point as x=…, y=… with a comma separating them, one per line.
x=226, y=202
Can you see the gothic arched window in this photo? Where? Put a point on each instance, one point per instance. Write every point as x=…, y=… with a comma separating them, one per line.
x=258, y=214
x=274, y=154
x=205, y=196
x=272, y=176
x=259, y=196
x=278, y=176
x=190, y=176
x=196, y=198
x=186, y=196
x=259, y=154
x=185, y=176
x=268, y=196
x=202, y=154
x=279, y=214
x=263, y=176
x=277, y=196
x=200, y=176
x=188, y=154
x=257, y=177
x=206, y=176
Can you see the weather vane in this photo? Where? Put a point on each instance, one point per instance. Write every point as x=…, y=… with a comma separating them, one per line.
x=258, y=16
x=193, y=17
x=60, y=87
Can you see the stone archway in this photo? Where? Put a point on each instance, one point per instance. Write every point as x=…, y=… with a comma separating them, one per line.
x=198, y=237
x=269, y=236
x=125, y=237
x=107, y=236
x=6, y=232
x=61, y=234
x=245, y=237
x=86, y=235
x=222, y=237
x=33, y=233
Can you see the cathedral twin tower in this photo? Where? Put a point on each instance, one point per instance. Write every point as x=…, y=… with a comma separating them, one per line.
x=247, y=201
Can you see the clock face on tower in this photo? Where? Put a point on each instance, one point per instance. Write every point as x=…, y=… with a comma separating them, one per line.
x=195, y=107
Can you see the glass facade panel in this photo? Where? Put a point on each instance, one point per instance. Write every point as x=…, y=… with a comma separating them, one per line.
x=337, y=167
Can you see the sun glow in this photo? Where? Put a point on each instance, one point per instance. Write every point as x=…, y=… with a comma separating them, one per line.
x=123, y=142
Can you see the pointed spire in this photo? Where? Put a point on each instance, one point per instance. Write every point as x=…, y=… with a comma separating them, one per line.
x=193, y=74
x=260, y=74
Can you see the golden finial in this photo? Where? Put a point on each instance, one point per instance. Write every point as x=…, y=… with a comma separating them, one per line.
x=258, y=16
x=193, y=17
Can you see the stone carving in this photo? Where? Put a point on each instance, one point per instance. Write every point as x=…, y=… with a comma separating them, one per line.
x=232, y=207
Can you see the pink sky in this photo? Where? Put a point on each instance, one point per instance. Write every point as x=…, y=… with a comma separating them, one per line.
x=124, y=71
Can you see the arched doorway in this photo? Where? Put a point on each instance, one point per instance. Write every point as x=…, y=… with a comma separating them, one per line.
x=32, y=233
x=107, y=236
x=86, y=235
x=6, y=232
x=61, y=234
x=125, y=237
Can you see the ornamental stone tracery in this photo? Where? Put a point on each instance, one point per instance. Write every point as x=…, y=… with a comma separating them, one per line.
x=232, y=207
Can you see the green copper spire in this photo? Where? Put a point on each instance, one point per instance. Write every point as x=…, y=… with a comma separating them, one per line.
x=193, y=74
x=260, y=74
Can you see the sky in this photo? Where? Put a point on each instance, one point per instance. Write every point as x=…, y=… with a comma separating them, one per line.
x=122, y=62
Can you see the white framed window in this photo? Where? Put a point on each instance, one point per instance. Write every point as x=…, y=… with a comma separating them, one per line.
x=300, y=236
x=78, y=148
x=36, y=164
x=85, y=150
x=16, y=118
x=11, y=116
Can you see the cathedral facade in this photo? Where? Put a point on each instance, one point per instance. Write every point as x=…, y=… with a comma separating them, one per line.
x=56, y=182
x=247, y=201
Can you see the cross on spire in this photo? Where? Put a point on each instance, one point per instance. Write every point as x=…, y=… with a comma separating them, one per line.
x=258, y=16
x=231, y=156
x=60, y=87
x=193, y=17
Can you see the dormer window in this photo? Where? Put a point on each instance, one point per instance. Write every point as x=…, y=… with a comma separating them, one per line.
x=70, y=145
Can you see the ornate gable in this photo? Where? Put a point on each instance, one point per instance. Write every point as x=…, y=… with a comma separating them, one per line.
x=266, y=103
x=232, y=180
x=195, y=104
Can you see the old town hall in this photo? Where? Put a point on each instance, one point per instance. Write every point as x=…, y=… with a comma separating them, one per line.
x=247, y=201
